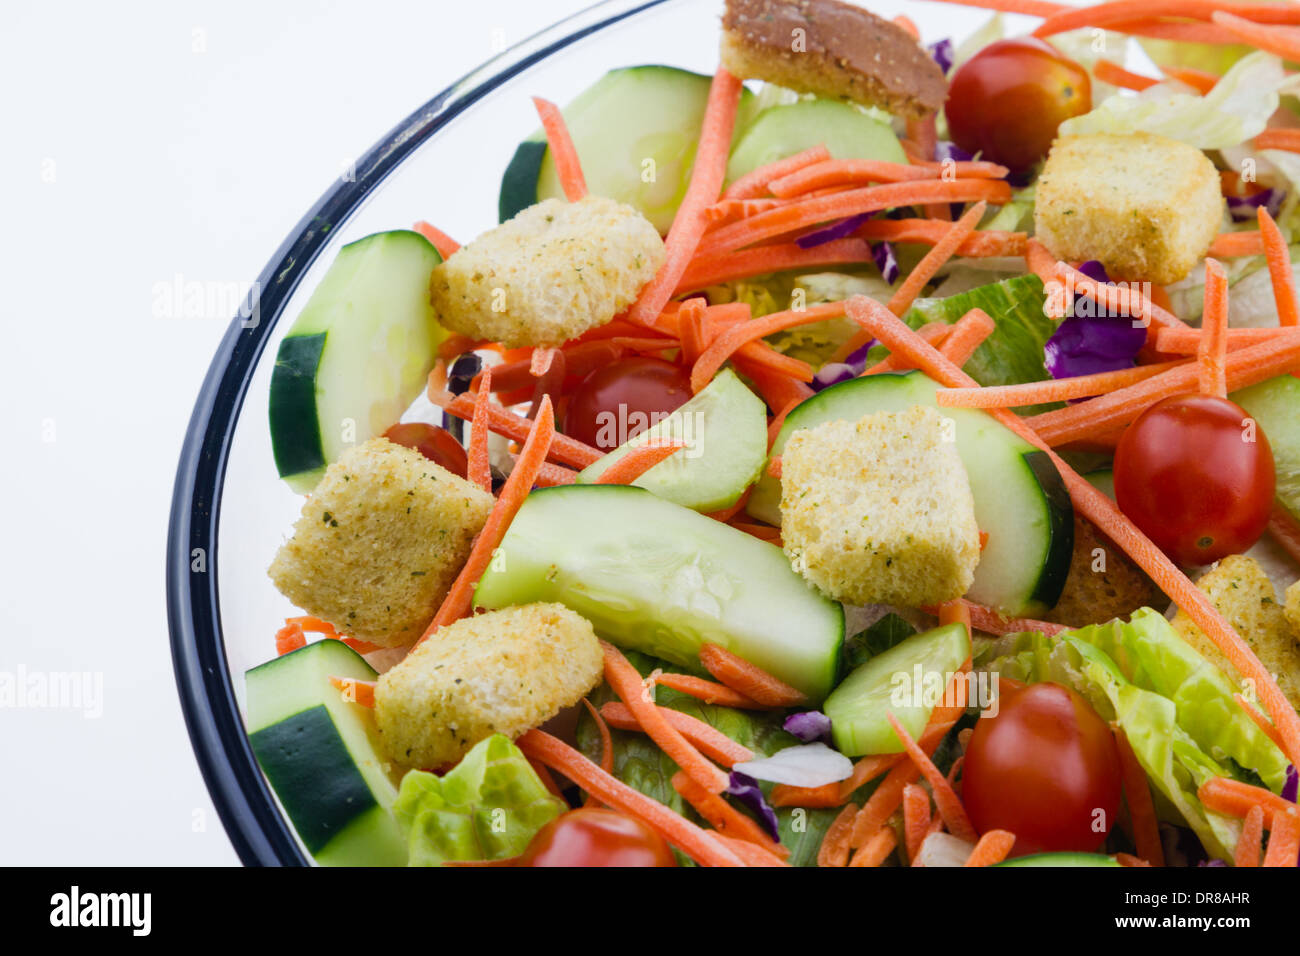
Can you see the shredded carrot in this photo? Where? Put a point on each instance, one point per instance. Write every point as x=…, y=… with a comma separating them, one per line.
x=835, y=847
x=1285, y=139
x=780, y=392
x=955, y=612
x=314, y=625
x=544, y=775
x=706, y=738
x=708, y=691
x=540, y=362
x=1111, y=72
x=707, y=175
x=1285, y=530
x=567, y=165
x=1283, y=839
x=749, y=679
x=851, y=172
x=693, y=327
x=1229, y=245
x=566, y=450
x=550, y=476
x=457, y=344
x=728, y=267
x=445, y=244
x=627, y=683
x=461, y=595
x=1188, y=341
x=480, y=469
x=1119, y=11
x=1260, y=720
x=809, y=212
x=723, y=817
x=916, y=818
x=1031, y=8
x=761, y=531
x=755, y=183
x=721, y=348
x=906, y=23
x=1234, y=798
x=945, y=798
x=606, y=741
x=1128, y=859
x=637, y=461
x=1199, y=80
x=289, y=638
x=936, y=333
x=1122, y=300
x=1279, y=269
x=876, y=849
x=1251, y=842
x=726, y=514
x=1213, y=349
x=982, y=243
x=700, y=845
x=1058, y=389
x=992, y=847
x=967, y=335
x=751, y=854
x=356, y=691
x=774, y=466
x=1280, y=41
x=1137, y=794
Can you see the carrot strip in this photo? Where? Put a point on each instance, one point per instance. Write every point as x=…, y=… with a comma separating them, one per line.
x=1251, y=842
x=981, y=243
x=445, y=244
x=810, y=212
x=992, y=848
x=906, y=23
x=567, y=165
x=967, y=335
x=700, y=845
x=706, y=738
x=1111, y=72
x=1198, y=80
x=1057, y=389
x=1229, y=245
x=751, y=854
x=854, y=172
x=692, y=323
x=544, y=775
x=1279, y=269
x=627, y=683
x=774, y=466
x=638, y=461
x=315, y=625
x=460, y=597
x=1279, y=41
x=916, y=818
x=835, y=847
x=726, y=514
x=1122, y=300
x=780, y=392
x=786, y=795
x=480, y=470
x=877, y=848
x=706, y=182
x=1260, y=720
x=540, y=362
x=1234, y=798
x=755, y=183
x=1137, y=794
x=1213, y=348
x=1285, y=530
x=1128, y=859
x=723, y=817
x=1286, y=139
x=721, y=348
x=1030, y=8
x=936, y=333
x=566, y=450
x=945, y=798
x=606, y=741
x=456, y=344
x=1119, y=11
x=356, y=691
x=705, y=271
x=1188, y=341
x=955, y=612
x=707, y=691
x=1283, y=840
x=289, y=638
x=551, y=476
x=749, y=679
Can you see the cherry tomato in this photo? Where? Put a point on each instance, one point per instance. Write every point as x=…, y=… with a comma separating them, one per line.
x=596, y=837
x=1195, y=473
x=1046, y=768
x=434, y=443
x=1007, y=101
x=619, y=401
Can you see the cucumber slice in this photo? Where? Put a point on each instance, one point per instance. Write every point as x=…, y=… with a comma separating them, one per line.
x=636, y=131
x=1062, y=859
x=1103, y=479
x=1275, y=405
x=1020, y=499
x=654, y=577
x=321, y=756
x=725, y=431
x=357, y=356
x=781, y=131
x=918, y=668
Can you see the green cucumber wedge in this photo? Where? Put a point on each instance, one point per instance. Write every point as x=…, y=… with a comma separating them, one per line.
x=636, y=131
x=1062, y=859
x=725, y=432
x=1020, y=499
x=907, y=680
x=780, y=131
x=655, y=577
x=357, y=356
x=320, y=754
x=1275, y=405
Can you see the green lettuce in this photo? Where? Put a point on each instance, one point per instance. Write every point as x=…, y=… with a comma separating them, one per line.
x=488, y=808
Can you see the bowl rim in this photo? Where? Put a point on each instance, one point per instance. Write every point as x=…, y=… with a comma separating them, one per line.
x=259, y=832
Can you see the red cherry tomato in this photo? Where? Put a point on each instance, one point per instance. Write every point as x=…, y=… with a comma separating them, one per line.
x=596, y=837
x=1046, y=768
x=434, y=443
x=1007, y=101
x=619, y=401
x=1195, y=473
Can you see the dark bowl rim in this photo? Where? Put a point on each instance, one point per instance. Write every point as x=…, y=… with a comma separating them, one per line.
x=259, y=832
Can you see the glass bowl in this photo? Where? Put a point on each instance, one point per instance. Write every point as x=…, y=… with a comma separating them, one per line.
x=229, y=510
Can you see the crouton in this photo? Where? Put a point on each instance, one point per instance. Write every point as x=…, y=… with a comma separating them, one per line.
x=879, y=511
x=380, y=541
x=1241, y=591
x=549, y=274
x=1292, y=609
x=500, y=672
x=1145, y=206
x=1100, y=587
x=833, y=50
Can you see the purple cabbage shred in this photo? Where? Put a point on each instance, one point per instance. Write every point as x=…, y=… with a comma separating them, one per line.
x=1291, y=785
x=1086, y=345
x=944, y=150
x=941, y=53
x=809, y=726
x=1245, y=208
x=840, y=230
x=745, y=789
x=886, y=261
x=837, y=372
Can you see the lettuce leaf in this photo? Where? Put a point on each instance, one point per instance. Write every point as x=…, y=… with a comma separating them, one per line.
x=489, y=807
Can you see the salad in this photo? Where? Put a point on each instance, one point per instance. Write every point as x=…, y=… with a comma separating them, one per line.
x=876, y=453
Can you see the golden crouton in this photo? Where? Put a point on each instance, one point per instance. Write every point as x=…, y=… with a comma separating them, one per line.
x=1145, y=206
x=1241, y=591
x=380, y=540
x=1293, y=609
x=1100, y=587
x=549, y=274
x=834, y=50
x=500, y=672
x=879, y=511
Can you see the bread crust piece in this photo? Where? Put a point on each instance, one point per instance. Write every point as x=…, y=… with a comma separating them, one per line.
x=832, y=49
x=1095, y=593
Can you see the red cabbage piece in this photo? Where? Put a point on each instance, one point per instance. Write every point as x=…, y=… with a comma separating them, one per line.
x=745, y=789
x=942, y=53
x=886, y=261
x=944, y=149
x=840, y=230
x=1085, y=345
x=1244, y=208
x=1291, y=785
x=808, y=726
x=837, y=372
